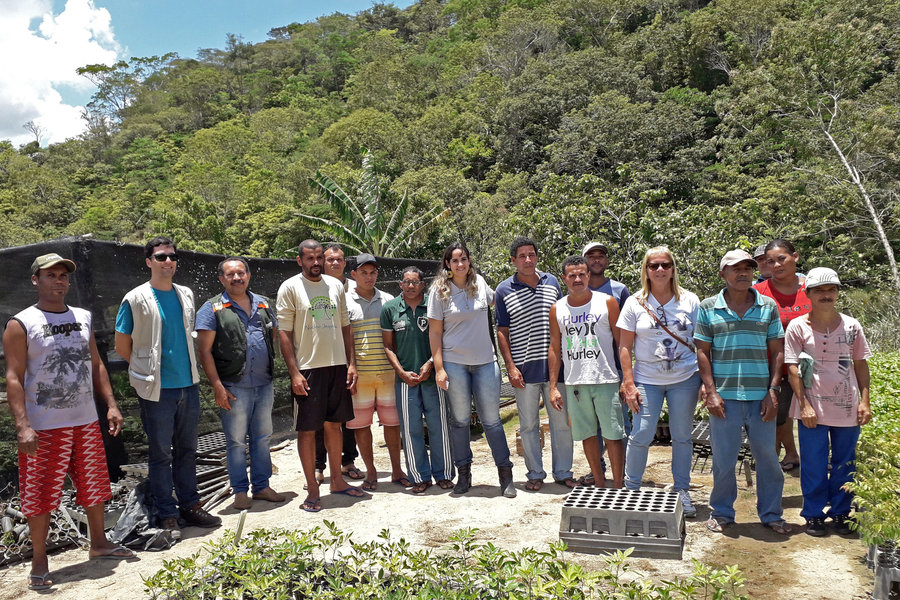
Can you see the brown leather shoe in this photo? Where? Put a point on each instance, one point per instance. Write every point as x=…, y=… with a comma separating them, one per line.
x=242, y=501
x=196, y=515
x=269, y=495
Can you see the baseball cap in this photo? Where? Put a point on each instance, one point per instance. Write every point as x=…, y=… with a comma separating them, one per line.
x=821, y=276
x=734, y=257
x=760, y=250
x=595, y=246
x=45, y=261
x=364, y=259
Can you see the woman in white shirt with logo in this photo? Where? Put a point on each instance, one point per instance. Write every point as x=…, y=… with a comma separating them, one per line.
x=657, y=329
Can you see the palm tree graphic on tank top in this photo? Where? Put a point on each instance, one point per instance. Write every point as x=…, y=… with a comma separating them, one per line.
x=71, y=377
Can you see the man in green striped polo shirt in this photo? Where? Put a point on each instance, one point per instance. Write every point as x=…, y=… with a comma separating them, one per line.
x=375, y=387
x=740, y=351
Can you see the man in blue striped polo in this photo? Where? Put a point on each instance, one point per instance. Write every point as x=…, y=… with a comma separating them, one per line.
x=523, y=330
x=740, y=350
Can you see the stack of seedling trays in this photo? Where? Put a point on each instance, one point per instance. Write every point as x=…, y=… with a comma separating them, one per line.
x=601, y=520
x=212, y=472
x=885, y=560
x=703, y=449
x=15, y=539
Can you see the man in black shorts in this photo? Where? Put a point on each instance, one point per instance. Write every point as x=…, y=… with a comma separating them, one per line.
x=317, y=345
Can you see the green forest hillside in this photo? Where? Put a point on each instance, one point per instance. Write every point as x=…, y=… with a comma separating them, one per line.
x=636, y=122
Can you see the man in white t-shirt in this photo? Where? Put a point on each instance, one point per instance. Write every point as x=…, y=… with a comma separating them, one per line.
x=317, y=344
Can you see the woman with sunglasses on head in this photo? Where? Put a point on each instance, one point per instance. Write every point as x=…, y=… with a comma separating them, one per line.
x=657, y=329
x=786, y=288
x=465, y=364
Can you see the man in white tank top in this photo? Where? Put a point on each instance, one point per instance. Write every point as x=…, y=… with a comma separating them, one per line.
x=53, y=370
x=582, y=332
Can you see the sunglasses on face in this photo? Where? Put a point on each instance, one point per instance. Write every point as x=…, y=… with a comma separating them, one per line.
x=657, y=266
x=161, y=257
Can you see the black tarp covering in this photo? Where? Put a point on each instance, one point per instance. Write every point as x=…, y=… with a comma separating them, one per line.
x=107, y=270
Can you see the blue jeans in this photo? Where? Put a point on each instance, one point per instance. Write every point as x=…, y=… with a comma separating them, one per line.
x=818, y=485
x=482, y=381
x=681, y=398
x=250, y=414
x=528, y=404
x=171, y=428
x=725, y=439
x=414, y=403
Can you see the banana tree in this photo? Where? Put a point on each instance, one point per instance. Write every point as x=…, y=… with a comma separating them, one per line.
x=363, y=224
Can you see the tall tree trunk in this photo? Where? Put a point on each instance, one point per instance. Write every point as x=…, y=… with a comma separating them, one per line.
x=870, y=206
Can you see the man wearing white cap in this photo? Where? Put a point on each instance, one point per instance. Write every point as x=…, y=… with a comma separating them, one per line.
x=53, y=370
x=740, y=350
x=597, y=257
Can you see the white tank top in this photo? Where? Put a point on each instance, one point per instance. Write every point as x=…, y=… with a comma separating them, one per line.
x=59, y=391
x=587, y=341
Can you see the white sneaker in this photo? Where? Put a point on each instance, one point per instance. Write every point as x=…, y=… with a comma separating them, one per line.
x=687, y=506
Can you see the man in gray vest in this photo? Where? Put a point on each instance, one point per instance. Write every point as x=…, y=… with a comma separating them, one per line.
x=154, y=330
x=236, y=343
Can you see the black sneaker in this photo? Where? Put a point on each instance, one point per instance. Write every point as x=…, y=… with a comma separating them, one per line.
x=841, y=524
x=816, y=527
x=199, y=517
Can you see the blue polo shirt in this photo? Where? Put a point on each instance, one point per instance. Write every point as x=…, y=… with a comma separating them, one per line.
x=256, y=368
x=739, y=355
x=525, y=310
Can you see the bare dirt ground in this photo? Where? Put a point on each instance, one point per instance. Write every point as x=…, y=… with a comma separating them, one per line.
x=798, y=567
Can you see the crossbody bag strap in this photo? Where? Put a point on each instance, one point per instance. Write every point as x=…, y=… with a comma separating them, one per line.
x=686, y=344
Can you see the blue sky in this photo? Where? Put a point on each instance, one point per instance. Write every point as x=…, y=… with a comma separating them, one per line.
x=48, y=39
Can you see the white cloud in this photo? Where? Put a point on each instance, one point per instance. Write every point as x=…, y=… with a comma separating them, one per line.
x=42, y=50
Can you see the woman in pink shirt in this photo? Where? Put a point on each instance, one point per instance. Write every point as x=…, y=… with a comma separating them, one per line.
x=826, y=355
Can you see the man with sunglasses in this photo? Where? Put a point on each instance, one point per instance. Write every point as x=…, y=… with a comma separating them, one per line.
x=154, y=334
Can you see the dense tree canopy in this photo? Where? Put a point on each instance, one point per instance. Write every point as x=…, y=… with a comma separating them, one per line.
x=702, y=125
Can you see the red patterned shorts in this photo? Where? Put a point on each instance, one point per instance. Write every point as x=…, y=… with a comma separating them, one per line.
x=76, y=451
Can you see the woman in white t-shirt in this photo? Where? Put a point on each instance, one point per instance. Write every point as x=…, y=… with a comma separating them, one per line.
x=465, y=364
x=657, y=331
x=831, y=400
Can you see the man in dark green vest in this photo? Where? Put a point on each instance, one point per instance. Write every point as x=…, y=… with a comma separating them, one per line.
x=236, y=345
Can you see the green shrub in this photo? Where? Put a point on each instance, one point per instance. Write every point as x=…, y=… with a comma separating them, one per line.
x=284, y=564
x=876, y=483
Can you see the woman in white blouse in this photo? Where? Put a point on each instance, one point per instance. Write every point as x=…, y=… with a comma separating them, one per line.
x=465, y=364
x=657, y=329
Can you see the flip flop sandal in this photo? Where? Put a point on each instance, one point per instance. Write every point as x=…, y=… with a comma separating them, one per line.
x=717, y=525
x=310, y=505
x=40, y=582
x=352, y=472
x=404, y=481
x=420, y=487
x=445, y=484
x=534, y=485
x=570, y=482
x=780, y=527
x=789, y=465
x=111, y=554
x=370, y=485
x=352, y=492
